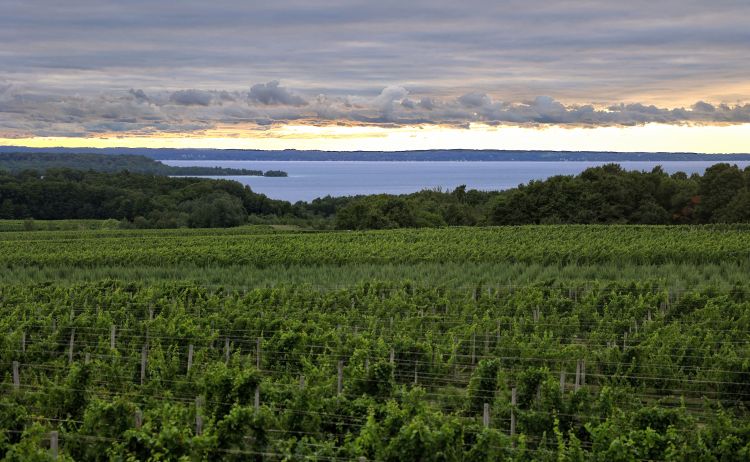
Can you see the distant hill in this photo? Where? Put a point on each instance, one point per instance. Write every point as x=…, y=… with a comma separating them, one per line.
x=427, y=155
x=106, y=162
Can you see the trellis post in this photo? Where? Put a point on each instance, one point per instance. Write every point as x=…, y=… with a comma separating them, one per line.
x=198, y=415
x=71, y=345
x=562, y=381
x=190, y=357
x=53, y=441
x=144, y=355
x=512, y=412
x=16, y=377
x=340, y=378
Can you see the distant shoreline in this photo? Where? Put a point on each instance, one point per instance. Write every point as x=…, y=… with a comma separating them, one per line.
x=453, y=155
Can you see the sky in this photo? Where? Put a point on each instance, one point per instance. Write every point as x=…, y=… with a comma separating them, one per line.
x=668, y=75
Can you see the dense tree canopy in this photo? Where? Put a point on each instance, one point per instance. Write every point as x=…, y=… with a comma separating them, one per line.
x=42, y=161
x=606, y=195
x=139, y=199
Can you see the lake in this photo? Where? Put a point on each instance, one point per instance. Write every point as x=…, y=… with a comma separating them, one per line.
x=310, y=179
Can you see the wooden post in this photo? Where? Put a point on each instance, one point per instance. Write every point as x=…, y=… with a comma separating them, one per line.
x=138, y=419
x=393, y=356
x=578, y=375
x=257, y=397
x=624, y=341
x=486, y=415
x=416, y=373
x=226, y=349
x=562, y=381
x=583, y=372
x=112, y=329
x=198, y=415
x=512, y=412
x=455, y=358
x=16, y=377
x=53, y=439
x=301, y=381
x=87, y=358
x=23, y=342
x=144, y=354
x=498, y=333
x=367, y=364
x=257, y=353
x=190, y=357
x=473, y=347
x=70, y=347
x=340, y=379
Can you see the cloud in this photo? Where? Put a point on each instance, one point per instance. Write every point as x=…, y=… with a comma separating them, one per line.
x=385, y=100
x=579, y=51
x=191, y=97
x=427, y=103
x=407, y=103
x=271, y=93
x=702, y=106
x=475, y=100
x=139, y=95
x=24, y=112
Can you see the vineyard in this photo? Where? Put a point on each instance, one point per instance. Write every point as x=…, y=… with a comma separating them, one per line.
x=604, y=350
x=261, y=246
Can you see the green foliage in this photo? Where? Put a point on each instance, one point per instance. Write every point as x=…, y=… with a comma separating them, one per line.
x=16, y=162
x=666, y=367
x=140, y=200
x=145, y=198
x=224, y=387
x=483, y=384
x=541, y=245
x=375, y=380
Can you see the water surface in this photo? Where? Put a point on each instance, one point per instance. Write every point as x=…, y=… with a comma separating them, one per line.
x=310, y=179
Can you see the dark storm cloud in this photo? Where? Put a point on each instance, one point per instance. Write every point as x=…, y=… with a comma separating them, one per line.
x=190, y=63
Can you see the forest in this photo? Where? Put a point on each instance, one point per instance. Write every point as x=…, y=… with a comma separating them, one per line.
x=599, y=195
x=138, y=200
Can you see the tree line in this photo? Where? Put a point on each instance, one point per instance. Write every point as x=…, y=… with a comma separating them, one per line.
x=43, y=161
x=139, y=200
x=604, y=195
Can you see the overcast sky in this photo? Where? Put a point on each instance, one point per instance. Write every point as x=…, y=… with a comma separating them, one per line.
x=87, y=68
